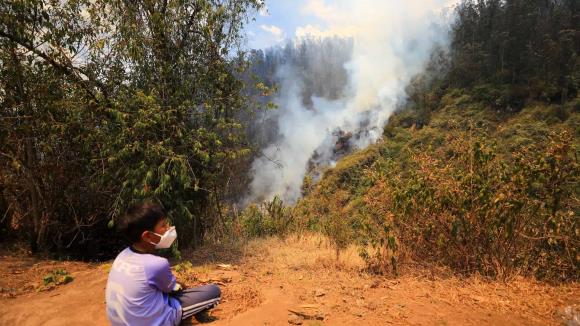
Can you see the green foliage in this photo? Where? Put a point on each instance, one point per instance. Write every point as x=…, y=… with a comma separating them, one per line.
x=183, y=267
x=267, y=219
x=470, y=190
x=511, y=51
x=476, y=212
x=329, y=207
x=55, y=278
x=335, y=224
x=108, y=103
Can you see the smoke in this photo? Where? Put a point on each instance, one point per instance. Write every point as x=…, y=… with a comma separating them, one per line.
x=392, y=43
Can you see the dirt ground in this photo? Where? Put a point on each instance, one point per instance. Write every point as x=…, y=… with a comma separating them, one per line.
x=275, y=282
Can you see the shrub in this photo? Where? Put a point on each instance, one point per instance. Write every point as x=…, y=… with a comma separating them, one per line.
x=469, y=194
x=470, y=210
x=55, y=278
x=267, y=219
x=337, y=222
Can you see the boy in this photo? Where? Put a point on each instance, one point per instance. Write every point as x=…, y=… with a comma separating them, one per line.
x=141, y=290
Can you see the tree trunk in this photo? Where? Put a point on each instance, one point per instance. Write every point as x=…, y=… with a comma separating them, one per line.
x=564, y=96
x=29, y=160
x=3, y=209
x=30, y=163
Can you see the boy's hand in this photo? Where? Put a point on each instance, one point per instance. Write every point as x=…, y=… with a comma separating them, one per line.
x=177, y=287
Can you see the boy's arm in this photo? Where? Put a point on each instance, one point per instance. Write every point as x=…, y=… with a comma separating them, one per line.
x=159, y=275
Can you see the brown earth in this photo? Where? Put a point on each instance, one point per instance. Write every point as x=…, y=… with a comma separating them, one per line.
x=274, y=282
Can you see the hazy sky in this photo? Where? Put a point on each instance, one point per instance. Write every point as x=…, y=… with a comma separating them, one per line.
x=280, y=21
x=287, y=19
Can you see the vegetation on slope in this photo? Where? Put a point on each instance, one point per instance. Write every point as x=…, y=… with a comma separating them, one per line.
x=479, y=171
x=472, y=190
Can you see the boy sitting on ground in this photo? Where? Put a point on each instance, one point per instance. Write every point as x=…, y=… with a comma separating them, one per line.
x=141, y=289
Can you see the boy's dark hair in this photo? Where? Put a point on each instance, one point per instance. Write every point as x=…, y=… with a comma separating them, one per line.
x=139, y=218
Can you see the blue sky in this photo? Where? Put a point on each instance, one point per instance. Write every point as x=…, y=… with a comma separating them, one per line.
x=281, y=21
x=288, y=19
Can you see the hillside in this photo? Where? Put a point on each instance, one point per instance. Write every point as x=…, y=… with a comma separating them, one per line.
x=466, y=186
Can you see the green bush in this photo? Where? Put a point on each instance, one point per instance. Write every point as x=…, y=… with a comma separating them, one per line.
x=55, y=278
x=467, y=208
x=267, y=219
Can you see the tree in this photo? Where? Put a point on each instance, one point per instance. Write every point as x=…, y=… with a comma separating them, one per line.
x=116, y=101
x=527, y=48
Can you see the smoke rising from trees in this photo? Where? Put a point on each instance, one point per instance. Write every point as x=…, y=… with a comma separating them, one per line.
x=391, y=43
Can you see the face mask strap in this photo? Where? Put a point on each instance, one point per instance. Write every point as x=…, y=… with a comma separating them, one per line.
x=159, y=235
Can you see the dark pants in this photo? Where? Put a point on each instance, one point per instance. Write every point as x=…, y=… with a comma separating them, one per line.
x=198, y=299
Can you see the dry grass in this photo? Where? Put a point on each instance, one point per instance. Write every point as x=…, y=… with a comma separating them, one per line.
x=263, y=279
x=310, y=252
x=302, y=264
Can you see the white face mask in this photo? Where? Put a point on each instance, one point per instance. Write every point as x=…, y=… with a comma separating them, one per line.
x=166, y=239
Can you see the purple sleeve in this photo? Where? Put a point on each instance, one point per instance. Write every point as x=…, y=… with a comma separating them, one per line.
x=159, y=275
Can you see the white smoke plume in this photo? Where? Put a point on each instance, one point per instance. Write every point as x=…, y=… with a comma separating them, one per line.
x=392, y=42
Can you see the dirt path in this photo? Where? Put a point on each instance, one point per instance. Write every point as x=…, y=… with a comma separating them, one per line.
x=270, y=278
x=78, y=303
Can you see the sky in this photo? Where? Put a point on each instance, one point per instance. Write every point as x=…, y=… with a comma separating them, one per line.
x=291, y=19
x=286, y=19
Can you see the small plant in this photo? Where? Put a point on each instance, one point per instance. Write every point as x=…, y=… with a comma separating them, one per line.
x=184, y=267
x=339, y=232
x=55, y=278
x=269, y=218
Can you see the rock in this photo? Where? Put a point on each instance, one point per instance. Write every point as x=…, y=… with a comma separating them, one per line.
x=308, y=312
x=220, y=279
x=319, y=293
x=476, y=298
x=294, y=319
x=227, y=267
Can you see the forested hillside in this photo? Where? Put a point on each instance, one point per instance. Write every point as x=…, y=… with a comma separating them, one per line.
x=105, y=103
x=479, y=171
x=315, y=65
